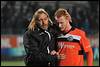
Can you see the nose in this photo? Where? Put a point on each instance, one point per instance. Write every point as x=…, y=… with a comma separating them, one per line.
x=60, y=25
x=42, y=21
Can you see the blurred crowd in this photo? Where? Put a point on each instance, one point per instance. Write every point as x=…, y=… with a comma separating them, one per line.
x=16, y=15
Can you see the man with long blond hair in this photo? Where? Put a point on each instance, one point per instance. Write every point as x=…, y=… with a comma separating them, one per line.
x=72, y=42
x=39, y=41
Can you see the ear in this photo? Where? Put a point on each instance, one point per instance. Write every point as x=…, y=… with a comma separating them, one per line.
x=68, y=18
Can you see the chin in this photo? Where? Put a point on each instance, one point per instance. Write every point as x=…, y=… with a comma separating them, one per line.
x=44, y=28
x=62, y=29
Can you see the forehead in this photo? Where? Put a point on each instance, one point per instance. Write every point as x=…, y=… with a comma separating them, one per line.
x=42, y=15
x=59, y=19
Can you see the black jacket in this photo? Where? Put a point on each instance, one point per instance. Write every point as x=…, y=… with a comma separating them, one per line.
x=36, y=43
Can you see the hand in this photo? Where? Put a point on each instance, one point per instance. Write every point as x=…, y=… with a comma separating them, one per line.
x=61, y=56
x=53, y=52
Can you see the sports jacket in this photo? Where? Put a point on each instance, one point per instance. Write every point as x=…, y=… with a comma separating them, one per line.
x=73, y=44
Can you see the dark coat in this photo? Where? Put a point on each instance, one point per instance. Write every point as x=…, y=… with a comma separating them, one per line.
x=35, y=43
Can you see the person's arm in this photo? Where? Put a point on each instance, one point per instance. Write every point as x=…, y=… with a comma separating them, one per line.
x=89, y=55
x=87, y=48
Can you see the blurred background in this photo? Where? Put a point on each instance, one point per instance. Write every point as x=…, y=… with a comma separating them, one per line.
x=16, y=15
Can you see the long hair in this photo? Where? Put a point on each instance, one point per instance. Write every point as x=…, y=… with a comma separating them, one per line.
x=35, y=17
x=63, y=12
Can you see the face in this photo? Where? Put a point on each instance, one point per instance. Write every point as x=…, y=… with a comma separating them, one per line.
x=62, y=22
x=43, y=20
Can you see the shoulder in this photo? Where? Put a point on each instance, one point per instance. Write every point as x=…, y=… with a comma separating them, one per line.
x=28, y=33
x=80, y=31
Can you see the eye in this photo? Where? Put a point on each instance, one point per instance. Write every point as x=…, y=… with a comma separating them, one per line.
x=45, y=18
x=61, y=22
x=39, y=19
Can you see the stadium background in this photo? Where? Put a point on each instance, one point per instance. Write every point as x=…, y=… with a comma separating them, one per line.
x=16, y=15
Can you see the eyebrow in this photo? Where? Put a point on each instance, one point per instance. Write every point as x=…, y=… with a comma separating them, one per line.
x=44, y=18
x=60, y=22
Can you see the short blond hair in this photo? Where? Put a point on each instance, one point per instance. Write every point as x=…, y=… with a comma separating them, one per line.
x=35, y=16
x=62, y=12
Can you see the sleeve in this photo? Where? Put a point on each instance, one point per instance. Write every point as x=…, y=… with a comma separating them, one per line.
x=31, y=46
x=85, y=43
x=52, y=44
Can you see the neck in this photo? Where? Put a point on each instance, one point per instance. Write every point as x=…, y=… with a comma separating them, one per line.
x=68, y=28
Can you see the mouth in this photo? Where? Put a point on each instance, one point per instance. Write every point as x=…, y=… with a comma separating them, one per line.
x=44, y=26
x=61, y=29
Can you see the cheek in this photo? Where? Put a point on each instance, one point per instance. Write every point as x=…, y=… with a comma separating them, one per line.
x=46, y=22
x=65, y=25
x=67, y=21
x=40, y=23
